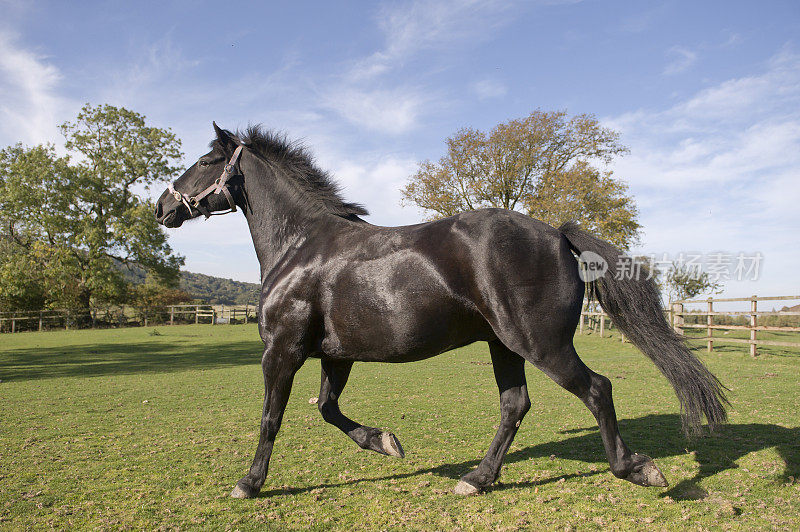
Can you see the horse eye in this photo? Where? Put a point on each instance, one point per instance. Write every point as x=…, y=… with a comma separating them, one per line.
x=203, y=163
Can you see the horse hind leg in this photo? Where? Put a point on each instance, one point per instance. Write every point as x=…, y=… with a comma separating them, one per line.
x=509, y=372
x=568, y=370
x=334, y=378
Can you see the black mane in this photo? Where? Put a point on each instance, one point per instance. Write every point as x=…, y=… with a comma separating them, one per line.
x=316, y=189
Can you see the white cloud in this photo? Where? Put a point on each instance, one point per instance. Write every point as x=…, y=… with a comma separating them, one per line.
x=423, y=24
x=390, y=111
x=681, y=59
x=369, y=94
x=373, y=180
x=721, y=170
x=361, y=96
x=723, y=132
x=30, y=107
x=644, y=20
x=155, y=63
x=489, y=88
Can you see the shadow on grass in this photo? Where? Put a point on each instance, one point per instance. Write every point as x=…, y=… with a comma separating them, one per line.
x=120, y=359
x=656, y=435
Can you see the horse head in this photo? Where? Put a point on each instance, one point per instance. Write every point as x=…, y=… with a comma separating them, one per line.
x=211, y=186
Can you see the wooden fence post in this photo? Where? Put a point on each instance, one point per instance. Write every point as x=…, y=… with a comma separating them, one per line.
x=13, y=322
x=602, y=324
x=40, y=320
x=671, y=315
x=709, y=322
x=196, y=314
x=580, y=326
x=677, y=317
x=753, y=323
x=246, y=312
x=172, y=315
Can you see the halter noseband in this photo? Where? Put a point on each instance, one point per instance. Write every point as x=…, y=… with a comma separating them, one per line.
x=220, y=185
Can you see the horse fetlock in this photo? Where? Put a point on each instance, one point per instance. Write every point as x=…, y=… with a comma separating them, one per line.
x=480, y=478
x=245, y=489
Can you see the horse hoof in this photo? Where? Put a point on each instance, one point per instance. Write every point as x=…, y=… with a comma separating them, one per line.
x=647, y=474
x=465, y=489
x=391, y=445
x=654, y=476
x=239, y=493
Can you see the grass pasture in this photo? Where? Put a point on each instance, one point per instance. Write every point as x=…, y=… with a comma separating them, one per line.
x=150, y=428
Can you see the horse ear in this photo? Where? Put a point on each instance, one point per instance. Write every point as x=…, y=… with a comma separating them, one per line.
x=225, y=138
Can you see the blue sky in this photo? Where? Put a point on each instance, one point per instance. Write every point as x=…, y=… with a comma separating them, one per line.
x=705, y=94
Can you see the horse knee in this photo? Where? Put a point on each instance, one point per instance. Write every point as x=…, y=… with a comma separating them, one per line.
x=271, y=426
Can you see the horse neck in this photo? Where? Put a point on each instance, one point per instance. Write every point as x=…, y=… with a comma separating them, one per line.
x=277, y=222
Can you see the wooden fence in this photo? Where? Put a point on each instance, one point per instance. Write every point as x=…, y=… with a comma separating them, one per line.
x=594, y=319
x=678, y=315
x=591, y=318
x=124, y=316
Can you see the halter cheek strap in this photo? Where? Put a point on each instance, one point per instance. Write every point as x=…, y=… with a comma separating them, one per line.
x=219, y=186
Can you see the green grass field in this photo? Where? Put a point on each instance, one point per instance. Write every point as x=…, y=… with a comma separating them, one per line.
x=151, y=428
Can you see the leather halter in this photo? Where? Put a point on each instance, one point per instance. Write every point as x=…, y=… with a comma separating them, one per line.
x=220, y=185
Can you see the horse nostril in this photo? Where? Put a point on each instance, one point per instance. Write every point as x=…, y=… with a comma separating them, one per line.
x=159, y=210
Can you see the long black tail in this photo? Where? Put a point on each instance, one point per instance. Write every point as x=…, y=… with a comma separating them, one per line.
x=634, y=304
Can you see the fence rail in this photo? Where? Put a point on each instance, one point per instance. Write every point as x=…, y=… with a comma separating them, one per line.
x=591, y=318
x=124, y=316
x=598, y=321
x=678, y=315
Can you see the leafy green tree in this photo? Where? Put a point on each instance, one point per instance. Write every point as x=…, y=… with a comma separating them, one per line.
x=35, y=265
x=683, y=282
x=600, y=202
x=71, y=223
x=151, y=297
x=541, y=165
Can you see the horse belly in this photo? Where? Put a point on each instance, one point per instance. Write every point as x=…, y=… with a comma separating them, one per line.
x=405, y=316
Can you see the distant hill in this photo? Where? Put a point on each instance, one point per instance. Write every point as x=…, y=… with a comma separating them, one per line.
x=205, y=288
x=219, y=291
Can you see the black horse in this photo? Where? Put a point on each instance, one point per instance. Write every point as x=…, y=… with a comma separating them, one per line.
x=342, y=290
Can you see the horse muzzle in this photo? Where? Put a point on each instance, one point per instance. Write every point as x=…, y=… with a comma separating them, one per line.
x=168, y=217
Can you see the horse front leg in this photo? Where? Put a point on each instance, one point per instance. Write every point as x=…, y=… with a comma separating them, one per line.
x=279, y=373
x=334, y=378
